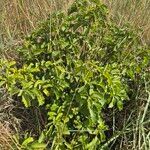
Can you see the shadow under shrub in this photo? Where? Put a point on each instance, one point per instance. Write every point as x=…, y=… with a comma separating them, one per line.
x=76, y=65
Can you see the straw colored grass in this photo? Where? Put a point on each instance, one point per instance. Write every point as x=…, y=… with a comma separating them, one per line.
x=19, y=17
x=134, y=12
x=5, y=137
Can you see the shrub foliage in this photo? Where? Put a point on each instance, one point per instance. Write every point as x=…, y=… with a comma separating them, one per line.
x=75, y=65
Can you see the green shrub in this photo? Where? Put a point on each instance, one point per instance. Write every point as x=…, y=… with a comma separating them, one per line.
x=75, y=66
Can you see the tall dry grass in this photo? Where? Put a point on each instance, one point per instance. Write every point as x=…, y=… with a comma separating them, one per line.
x=134, y=12
x=6, y=140
x=19, y=17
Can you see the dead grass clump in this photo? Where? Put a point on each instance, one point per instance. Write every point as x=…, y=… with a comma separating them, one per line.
x=6, y=141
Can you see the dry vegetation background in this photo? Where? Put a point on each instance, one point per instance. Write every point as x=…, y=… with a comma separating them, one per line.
x=19, y=17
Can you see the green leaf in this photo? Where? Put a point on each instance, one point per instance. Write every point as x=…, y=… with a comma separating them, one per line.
x=111, y=105
x=48, y=63
x=51, y=115
x=99, y=97
x=38, y=82
x=59, y=116
x=30, y=93
x=66, y=131
x=42, y=137
x=81, y=89
x=120, y=105
x=38, y=146
x=40, y=97
x=26, y=100
x=20, y=93
x=12, y=63
x=91, y=111
x=69, y=146
x=2, y=83
x=46, y=92
x=27, y=141
x=92, y=145
x=61, y=69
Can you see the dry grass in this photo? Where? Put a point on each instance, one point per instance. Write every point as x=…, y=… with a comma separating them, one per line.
x=19, y=17
x=5, y=138
x=9, y=124
x=134, y=12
